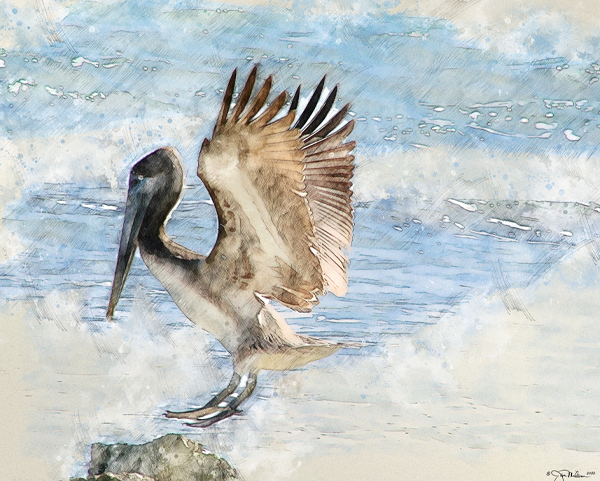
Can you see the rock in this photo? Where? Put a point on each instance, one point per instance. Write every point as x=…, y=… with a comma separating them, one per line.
x=169, y=458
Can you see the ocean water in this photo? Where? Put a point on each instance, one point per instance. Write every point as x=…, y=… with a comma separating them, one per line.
x=411, y=262
x=411, y=80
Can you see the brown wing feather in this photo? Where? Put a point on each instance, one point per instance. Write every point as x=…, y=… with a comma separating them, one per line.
x=282, y=198
x=328, y=170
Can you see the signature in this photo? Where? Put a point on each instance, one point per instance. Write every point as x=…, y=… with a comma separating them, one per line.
x=565, y=473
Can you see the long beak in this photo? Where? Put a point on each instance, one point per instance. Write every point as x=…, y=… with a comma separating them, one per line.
x=137, y=201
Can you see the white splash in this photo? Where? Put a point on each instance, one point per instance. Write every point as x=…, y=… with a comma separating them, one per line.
x=438, y=122
x=54, y=91
x=21, y=84
x=556, y=103
x=509, y=223
x=571, y=136
x=79, y=61
x=468, y=207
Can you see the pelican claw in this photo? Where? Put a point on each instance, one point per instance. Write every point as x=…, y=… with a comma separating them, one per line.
x=223, y=414
x=222, y=406
x=195, y=414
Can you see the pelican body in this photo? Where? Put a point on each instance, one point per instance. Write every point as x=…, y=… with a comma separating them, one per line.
x=282, y=192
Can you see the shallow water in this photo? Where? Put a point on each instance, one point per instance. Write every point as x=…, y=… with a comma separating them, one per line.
x=411, y=263
x=412, y=81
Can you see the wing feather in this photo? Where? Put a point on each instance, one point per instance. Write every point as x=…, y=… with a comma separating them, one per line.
x=331, y=125
x=244, y=96
x=226, y=101
x=282, y=192
x=259, y=101
x=310, y=107
x=334, y=153
x=334, y=140
x=271, y=111
x=322, y=115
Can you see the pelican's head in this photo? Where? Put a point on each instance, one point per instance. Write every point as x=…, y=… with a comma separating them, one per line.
x=155, y=186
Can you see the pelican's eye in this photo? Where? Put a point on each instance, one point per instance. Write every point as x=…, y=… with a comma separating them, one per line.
x=135, y=179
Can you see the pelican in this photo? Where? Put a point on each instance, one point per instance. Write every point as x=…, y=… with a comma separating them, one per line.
x=282, y=192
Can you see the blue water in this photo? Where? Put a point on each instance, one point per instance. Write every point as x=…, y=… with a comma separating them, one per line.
x=410, y=80
x=411, y=263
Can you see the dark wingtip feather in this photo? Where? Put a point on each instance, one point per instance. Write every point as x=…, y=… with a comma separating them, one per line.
x=295, y=100
x=322, y=115
x=331, y=125
x=321, y=84
x=227, y=99
x=312, y=104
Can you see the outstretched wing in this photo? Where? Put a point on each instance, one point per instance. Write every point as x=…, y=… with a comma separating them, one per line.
x=282, y=195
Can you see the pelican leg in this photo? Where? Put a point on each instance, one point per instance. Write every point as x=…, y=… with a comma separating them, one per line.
x=209, y=407
x=225, y=409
